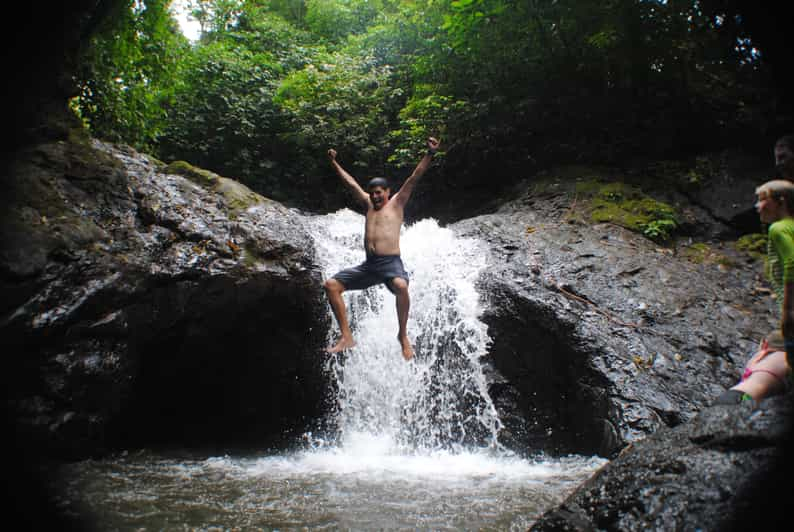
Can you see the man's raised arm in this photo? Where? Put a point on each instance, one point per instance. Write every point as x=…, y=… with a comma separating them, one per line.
x=348, y=180
x=408, y=187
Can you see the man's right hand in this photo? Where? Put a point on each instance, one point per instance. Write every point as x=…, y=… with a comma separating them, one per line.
x=331, y=154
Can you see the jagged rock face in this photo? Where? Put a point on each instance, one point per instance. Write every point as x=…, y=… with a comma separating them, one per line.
x=142, y=307
x=602, y=336
x=728, y=469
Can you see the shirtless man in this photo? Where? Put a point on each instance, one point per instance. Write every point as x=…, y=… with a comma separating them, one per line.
x=382, y=245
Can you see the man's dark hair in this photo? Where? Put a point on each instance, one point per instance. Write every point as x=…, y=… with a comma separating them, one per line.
x=787, y=141
x=378, y=182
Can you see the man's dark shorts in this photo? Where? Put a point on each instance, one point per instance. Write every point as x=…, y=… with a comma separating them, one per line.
x=375, y=270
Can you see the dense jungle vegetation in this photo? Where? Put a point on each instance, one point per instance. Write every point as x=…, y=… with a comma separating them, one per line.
x=509, y=85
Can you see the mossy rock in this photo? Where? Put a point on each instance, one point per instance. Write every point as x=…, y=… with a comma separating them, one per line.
x=237, y=197
x=754, y=245
x=702, y=253
x=565, y=178
x=200, y=176
x=627, y=206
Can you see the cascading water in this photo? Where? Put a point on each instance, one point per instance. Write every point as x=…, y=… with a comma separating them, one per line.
x=439, y=400
x=416, y=443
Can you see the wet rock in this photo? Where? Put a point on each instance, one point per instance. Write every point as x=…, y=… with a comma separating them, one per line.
x=725, y=470
x=605, y=335
x=609, y=343
x=141, y=307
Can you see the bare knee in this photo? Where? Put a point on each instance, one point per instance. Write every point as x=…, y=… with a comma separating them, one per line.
x=400, y=286
x=332, y=286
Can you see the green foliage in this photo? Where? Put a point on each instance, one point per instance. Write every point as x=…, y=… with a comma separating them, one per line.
x=129, y=73
x=340, y=101
x=659, y=230
x=334, y=21
x=215, y=17
x=426, y=114
x=508, y=86
x=223, y=116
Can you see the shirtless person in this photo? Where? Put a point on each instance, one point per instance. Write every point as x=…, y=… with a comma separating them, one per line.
x=382, y=245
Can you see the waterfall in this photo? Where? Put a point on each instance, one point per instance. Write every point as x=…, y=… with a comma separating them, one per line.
x=416, y=443
x=439, y=400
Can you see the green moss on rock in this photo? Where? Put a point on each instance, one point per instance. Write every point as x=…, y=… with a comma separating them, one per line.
x=753, y=244
x=200, y=176
x=627, y=206
x=237, y=197
x=697, y=253
x=701, y=253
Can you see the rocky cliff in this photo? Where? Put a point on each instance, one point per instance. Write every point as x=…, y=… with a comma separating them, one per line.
x=146, y=304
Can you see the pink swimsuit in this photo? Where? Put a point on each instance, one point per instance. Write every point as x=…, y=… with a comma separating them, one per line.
x=748, y=372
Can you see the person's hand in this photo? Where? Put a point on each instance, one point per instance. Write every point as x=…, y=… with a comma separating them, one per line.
x=432, y=145
x=763, y=350
x=331, y=154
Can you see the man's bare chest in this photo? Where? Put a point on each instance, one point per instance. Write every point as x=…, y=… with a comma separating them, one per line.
x=386, y=217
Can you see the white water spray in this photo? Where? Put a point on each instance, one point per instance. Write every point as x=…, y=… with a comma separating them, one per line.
x=439, y=401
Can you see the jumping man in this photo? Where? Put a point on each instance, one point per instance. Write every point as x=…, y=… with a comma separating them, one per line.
x=382, y=246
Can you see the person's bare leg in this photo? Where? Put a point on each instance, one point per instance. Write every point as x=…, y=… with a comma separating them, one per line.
x=403, y=305
x=333, y=290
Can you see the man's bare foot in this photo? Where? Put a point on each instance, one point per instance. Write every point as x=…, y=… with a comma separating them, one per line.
x=342, y=344
x=408, y=351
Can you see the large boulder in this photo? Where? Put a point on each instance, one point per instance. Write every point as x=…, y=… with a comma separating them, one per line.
x=145, y=304
x=727, y=469
x=601, y=335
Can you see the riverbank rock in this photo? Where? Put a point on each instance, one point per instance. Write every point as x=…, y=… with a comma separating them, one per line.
x=143, y=307
x=726, y=469
x=600, y=334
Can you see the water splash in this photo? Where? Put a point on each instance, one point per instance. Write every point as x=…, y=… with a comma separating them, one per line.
x=440, y=400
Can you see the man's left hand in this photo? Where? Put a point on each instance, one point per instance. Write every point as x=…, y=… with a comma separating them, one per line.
x=432, y=145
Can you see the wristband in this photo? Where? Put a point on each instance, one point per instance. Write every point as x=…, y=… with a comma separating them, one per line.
x=431, y=152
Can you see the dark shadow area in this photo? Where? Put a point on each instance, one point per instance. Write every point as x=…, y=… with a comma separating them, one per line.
x=766, y=495
x=549, y=401
x=225, y=367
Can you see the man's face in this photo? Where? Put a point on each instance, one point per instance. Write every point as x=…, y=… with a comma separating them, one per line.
x=379, y=196
x=784, y=161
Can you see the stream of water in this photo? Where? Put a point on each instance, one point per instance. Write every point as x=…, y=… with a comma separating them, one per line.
x=416, y=443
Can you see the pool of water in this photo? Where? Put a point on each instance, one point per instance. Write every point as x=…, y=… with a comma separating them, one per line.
x=356, y=488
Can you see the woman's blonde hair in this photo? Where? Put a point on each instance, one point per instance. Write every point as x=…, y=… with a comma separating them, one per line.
x=779, y=190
